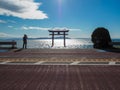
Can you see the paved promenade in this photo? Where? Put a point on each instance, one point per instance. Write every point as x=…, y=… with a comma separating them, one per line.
x=59, y=55
x=59, y=69
x=59, y=77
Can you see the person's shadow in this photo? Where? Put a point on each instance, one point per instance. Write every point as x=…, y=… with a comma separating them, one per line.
x=18, y=50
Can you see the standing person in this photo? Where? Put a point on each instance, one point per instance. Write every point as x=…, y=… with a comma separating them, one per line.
x=25, y=41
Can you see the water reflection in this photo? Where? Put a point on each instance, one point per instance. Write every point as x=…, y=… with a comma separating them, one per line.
x=58, y=43
x=3, y=50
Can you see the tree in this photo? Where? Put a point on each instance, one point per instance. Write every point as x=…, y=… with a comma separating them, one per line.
x=101, y=38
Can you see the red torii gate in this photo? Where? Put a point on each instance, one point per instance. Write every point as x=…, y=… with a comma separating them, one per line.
x=58, y=32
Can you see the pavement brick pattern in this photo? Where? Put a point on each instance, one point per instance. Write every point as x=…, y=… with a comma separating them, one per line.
x=59, y=55
x=59, y=77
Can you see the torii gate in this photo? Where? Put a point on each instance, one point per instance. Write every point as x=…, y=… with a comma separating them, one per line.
x=58, y=32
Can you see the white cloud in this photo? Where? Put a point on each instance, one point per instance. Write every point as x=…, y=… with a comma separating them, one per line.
x=10, y=26
x=25, y=9
x=7, y=21
x=2, y=21
x=11, y=21
x=34, y=28
x=59, y=28
x=65, y=28
x=74, y=29
x=4, y=35
x=41, y=28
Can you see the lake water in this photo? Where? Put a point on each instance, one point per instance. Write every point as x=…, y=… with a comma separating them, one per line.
x=58, y=43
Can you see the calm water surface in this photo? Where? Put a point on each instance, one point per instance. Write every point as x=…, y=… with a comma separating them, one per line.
x=58, y=43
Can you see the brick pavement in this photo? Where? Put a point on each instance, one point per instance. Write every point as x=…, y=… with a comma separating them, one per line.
x=59, y=55
x=59, y=77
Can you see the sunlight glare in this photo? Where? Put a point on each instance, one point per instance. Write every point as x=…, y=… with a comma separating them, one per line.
x=60, y=1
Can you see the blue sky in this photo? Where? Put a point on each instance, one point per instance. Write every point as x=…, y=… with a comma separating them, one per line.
x=36, y=17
